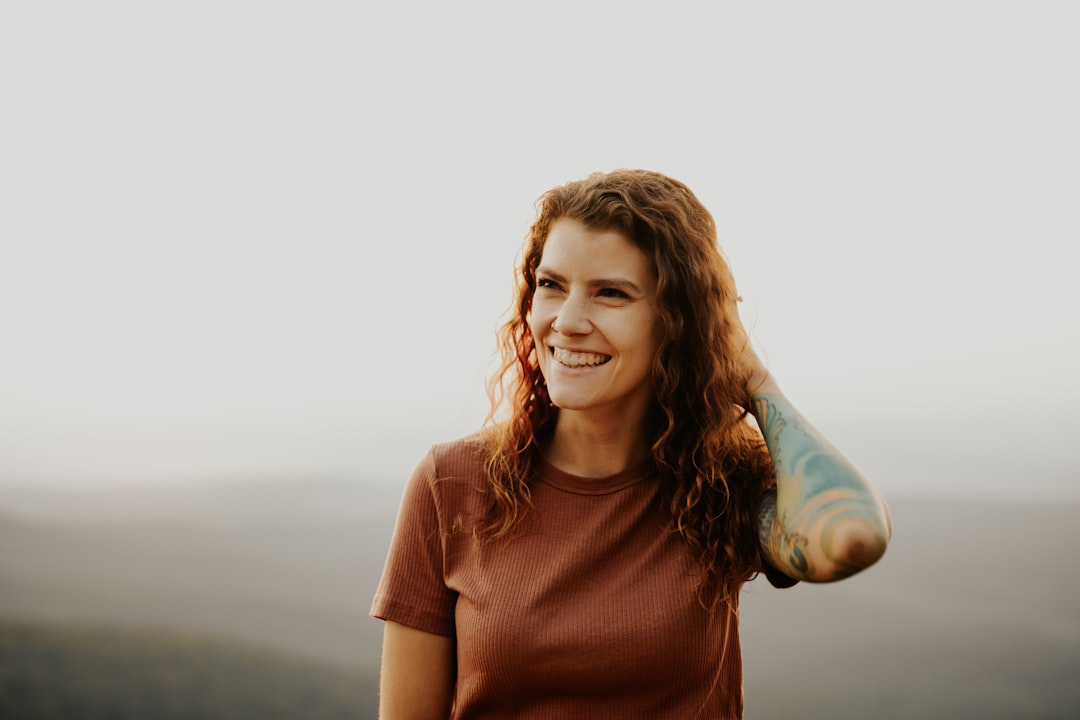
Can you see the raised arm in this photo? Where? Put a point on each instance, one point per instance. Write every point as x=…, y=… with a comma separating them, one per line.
x=825, y=521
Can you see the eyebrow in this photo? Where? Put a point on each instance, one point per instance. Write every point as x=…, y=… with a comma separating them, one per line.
x=621, y=283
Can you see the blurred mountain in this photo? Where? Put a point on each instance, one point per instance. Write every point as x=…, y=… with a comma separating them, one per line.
x=969, y=614
x=288, y=565
x=111, y=673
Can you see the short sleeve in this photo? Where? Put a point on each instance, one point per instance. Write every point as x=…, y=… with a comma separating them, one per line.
x=412, y=590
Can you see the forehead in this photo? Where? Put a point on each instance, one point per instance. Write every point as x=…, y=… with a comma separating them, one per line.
x=574, y=248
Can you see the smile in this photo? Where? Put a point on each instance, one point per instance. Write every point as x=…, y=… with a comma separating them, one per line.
x=579, y=359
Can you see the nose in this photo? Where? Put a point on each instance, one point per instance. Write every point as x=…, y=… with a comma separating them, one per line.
x=573, y=317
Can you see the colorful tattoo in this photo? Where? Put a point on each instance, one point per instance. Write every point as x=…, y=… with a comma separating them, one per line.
x=821, y=495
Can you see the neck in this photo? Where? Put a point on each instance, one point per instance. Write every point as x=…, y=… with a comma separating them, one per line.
x=587, y=448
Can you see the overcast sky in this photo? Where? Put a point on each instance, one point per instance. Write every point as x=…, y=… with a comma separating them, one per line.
x=252, y=239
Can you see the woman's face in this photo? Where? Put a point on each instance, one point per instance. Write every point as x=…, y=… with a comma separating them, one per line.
x=595, y=321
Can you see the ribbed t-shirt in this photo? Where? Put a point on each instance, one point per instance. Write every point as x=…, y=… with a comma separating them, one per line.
x=589, y=608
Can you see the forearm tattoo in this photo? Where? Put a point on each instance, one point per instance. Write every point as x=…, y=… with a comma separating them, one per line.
x=820, y=491
x=781, y=545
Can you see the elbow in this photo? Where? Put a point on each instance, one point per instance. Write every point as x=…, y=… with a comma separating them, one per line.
x=852, y=547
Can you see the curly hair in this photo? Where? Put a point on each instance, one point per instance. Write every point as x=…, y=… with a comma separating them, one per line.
x=712, y=463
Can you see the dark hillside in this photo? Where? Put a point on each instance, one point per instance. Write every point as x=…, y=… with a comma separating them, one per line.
x=971, y=613
x=82, y=672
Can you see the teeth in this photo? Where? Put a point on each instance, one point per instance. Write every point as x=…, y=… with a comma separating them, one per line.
x=578, y=359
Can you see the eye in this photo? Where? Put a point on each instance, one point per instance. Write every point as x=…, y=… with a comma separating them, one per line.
x=546, y=284
x=613, y=293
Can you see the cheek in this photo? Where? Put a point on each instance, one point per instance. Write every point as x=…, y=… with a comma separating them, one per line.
x=655, y=339
x=536, y=327
x=540, y=316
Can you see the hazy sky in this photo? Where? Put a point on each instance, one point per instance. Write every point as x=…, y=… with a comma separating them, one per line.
x=275, y=238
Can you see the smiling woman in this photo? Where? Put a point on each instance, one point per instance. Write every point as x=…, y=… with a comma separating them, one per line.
x=583, y=554
x=597, y=328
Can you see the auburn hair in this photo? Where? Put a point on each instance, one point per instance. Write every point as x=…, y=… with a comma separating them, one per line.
x=711, y=461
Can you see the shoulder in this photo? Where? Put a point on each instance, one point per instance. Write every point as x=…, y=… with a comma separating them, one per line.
x=459, y=459
x=453, y=474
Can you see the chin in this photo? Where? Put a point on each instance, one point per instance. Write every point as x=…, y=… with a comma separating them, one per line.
x=568, y=403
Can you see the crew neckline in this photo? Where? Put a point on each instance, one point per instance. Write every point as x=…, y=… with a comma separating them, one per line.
x=579, y=485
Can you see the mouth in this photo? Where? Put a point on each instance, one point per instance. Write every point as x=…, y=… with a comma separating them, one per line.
x=578, y=359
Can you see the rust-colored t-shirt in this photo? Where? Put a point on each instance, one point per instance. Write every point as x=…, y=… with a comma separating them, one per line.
x=588, y=609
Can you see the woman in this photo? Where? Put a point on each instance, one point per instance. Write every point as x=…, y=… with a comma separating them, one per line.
x=582, y=555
